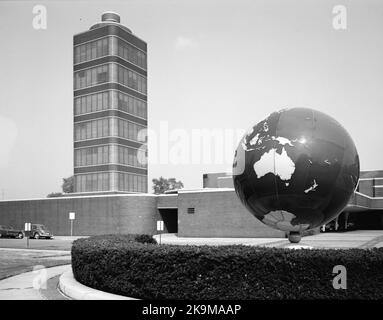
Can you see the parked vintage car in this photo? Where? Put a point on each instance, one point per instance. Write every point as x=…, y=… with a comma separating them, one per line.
x=40, y=231
x=10, y=232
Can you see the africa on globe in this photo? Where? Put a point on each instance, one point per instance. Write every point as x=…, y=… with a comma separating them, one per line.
x=296, y=170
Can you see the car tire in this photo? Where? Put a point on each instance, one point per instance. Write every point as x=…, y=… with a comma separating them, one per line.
x=20, y=236
x=36, y=236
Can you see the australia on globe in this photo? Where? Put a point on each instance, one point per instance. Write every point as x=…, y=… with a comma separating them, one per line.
x=296, y=170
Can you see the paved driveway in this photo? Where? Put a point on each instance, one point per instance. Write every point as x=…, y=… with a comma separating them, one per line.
x=15, y=261
x=40, y=284
x=58, y=243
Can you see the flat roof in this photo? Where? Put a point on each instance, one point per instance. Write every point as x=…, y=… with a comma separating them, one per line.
x=204, y=190
x=86, y=196
x=79, y=196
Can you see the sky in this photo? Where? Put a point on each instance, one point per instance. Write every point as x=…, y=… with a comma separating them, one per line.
x=214, y=68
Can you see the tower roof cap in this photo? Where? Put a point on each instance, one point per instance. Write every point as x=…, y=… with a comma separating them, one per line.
x=110, y=16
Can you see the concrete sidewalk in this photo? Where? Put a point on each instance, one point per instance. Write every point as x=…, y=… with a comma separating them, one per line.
x=344, y=240
x=362, y=239
x=70, y=238
x=28, y=286
x=171, y=238
x=77, y=291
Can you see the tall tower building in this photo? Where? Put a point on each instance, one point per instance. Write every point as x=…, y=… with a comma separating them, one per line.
x=110, y=108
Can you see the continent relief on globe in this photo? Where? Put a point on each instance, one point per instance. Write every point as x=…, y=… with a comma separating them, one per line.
x=296, y=169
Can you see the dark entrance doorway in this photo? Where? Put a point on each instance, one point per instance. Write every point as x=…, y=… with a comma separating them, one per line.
x=170, y=218
x=369, y=220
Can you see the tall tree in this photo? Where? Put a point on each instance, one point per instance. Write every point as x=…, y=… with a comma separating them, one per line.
x=162, y=184
x=68, y=185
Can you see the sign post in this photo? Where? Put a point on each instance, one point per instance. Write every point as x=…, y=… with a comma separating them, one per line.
x=27, y=229
x=71, y=218
x=160, y=227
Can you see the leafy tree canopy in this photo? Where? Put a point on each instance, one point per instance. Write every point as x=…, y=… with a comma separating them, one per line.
x=67, y=187
x=162, y=184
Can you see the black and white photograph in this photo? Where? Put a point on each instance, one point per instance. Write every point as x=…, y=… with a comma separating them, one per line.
x=191, y=158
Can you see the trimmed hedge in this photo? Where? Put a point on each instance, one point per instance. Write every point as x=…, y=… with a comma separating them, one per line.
x=124, y=238
x=121, y=265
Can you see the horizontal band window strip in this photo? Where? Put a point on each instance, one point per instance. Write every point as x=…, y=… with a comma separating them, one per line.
x=112, y=172
x=110, y=113
x=88, y=113
x=111, y=163
x=108, y=137
x=107, y=167
x=113, y=144
x=108, y=117
x=107, y=91
x=110, y=36
x=109, y=140
x=109, y=59
x=104, y=63
x=110, y=86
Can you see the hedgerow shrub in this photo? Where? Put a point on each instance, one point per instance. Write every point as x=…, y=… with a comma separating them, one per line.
x=145, y=238
x=123, y=238
x=121, y=265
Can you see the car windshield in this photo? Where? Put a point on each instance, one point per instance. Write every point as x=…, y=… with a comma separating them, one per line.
x=42, y=228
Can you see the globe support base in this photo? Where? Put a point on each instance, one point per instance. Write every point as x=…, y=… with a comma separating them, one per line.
x=294, y=237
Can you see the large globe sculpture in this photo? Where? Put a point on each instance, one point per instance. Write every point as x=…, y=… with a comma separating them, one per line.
x=296, y=170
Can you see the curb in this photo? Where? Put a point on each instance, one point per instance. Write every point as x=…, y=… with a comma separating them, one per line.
x=73, y=289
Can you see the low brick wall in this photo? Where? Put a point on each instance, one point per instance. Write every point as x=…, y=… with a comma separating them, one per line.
x=218, y=214
x=94, y=214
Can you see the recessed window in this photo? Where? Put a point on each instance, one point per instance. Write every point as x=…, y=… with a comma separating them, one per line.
x=191, y=210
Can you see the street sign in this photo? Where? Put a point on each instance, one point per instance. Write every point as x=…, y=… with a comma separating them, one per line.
x=27, y=226
x=160, y=225
x=72, y=215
